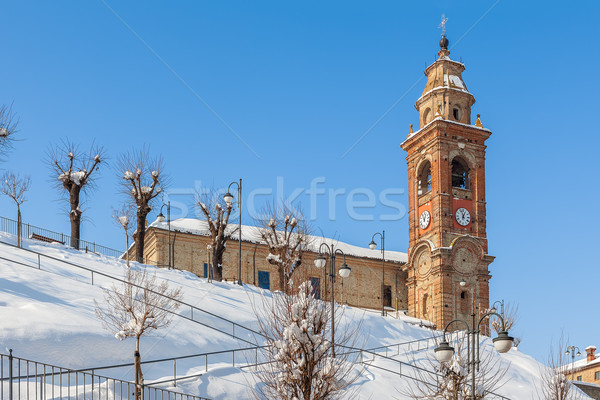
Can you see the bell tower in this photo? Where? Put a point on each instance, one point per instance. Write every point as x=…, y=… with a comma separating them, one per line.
x=447, y=256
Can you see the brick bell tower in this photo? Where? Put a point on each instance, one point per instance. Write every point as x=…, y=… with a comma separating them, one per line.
x=447, y=255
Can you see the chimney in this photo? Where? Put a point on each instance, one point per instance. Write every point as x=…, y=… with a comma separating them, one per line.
x=590, y=353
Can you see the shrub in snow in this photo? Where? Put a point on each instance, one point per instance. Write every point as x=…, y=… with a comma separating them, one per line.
x=137, y=307
x=298, y=357
x=453, y=380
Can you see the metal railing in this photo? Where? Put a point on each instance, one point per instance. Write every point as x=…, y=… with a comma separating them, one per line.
x=212, y=320
x=30, y=231
x=400, y=368
x=240, y=358
x=26, y=379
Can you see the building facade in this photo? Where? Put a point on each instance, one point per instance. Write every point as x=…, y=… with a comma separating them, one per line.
x=586, y=369
x=190, y=237
x=448, y=263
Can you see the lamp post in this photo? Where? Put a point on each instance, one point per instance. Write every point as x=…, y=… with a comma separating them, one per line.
x=494, y=309
x=502, y=343
x=229, y=199
x=160, y=218
x=571, y=349
x=344, y=272
x=373, y=246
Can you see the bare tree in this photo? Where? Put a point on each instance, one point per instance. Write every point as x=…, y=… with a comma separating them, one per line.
x=137, y=307
x=554, y=384
x=8, y=127
x=298, y=361
x=142, y=180
x=452, y=380
x=15, y=186
x=286, y=233
x=216, y=213
x=123, y=217
x=73, y=171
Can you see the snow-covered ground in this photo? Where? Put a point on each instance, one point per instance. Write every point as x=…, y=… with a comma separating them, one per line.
x=48, y=315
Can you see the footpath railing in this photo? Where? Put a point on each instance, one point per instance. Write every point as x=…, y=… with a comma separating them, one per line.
x=241, y=358
x=398, y=367
x=30, y=231
x=26, y=379
x=189, y=311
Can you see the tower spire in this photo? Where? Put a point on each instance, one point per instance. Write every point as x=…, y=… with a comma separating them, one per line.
x=444, y=52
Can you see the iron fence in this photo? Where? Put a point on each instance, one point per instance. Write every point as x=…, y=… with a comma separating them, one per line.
x=29, y=231
x=24, y=379
x=188, y=311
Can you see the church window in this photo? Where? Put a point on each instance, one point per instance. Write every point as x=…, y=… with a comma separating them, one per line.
x=460, y=174
x=597, y=375
x=579, y=378
x=457, y=113
x=264, y=280
x=424, y=178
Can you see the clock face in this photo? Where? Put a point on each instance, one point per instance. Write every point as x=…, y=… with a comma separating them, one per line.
x=424, y=220
x=463, y=217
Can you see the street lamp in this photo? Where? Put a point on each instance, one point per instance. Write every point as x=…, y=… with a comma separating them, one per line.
x=229, y=199
x=502, y=343
x=373, y=246
x=571, y=349
x=344, y=272
x=160, y=218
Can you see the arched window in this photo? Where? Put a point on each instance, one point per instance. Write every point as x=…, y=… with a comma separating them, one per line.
x=457, y=112
x=460, y=174
x=424, y=178
x=425, y=307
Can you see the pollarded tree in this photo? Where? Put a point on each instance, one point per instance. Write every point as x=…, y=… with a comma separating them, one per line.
x=74, y=171
x=141, y=182
x=216, y=212
x=298, y=361
x=137, y=307
x=286, y=233
x=15, y=186
x=124, y=217
x=8, y=127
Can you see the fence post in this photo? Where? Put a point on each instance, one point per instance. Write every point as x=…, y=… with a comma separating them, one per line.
x=10, y=375
x=39, y=261
x=175, y=373
x=233, y=358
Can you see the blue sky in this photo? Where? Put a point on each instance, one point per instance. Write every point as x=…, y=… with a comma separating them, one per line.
x=301, y=83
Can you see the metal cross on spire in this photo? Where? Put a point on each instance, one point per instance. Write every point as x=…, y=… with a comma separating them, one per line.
x=443, y=24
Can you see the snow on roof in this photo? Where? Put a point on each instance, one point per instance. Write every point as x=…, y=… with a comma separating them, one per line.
x=252, y=234
x=581, y=364
x=448, y=121
x=458, y=89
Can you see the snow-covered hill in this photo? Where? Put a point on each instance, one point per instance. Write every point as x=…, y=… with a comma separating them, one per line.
x=47, y=314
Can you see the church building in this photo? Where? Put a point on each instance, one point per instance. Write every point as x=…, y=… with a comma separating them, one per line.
x=446, y=271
